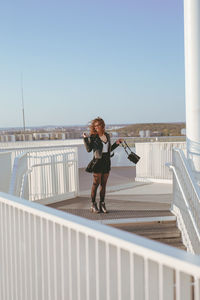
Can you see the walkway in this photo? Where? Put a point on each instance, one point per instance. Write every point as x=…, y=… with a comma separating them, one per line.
x=136, y=207
x=129, y=199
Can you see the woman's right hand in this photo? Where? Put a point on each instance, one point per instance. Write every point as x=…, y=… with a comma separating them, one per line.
x=84, y=135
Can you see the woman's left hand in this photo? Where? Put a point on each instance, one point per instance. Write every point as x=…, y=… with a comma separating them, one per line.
x=119, y=141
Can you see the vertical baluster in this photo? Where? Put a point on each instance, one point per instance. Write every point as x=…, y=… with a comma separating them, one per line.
x=132, y=285
x=119, y=279
x=177, y=285
x=107, y=271
x=97, y=268
x=87, y=267
x=161, y=283
x=146, y=278
x=196, y=294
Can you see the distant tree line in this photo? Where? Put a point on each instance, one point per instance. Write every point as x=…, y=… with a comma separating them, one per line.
x=162, y=129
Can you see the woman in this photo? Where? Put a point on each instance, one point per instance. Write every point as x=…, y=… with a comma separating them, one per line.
x=99, y=142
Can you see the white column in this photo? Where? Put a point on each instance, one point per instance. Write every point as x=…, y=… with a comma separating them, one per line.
x=192, y=79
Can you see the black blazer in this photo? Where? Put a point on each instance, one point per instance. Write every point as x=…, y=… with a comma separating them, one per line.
x=94, y=143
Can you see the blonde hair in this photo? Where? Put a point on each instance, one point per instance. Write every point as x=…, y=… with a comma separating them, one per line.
x=92, y=125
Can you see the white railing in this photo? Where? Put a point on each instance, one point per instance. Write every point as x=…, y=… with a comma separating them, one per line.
x=48, y=254
x=186, y=201
x=6, y=166
x=18, y=186
x=150, y=167
x=159, y=151
x=39, y=144
x=154, y=156
x=119, y=159
x=17, y=149
x=46, y=175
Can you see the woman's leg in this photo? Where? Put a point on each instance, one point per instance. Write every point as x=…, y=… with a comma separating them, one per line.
x=104, y=178
x=96, y=182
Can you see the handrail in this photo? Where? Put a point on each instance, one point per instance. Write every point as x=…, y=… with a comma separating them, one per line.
x=185, y=199
x=190, y=174
x=28, y=171
x=147, y=248
x=65, y=158
x=14, y=173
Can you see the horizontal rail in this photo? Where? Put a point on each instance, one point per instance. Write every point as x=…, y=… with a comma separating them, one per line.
x=150, y=249
x=50, y=254
x=52, y=163
x=189, y=172
x=46, y=174
x=154, y=156
x=185, y=200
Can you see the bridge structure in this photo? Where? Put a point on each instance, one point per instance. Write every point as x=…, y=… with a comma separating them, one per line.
x=146, y=247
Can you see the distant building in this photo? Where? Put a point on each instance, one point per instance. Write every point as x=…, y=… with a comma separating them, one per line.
x=142, y=133
x=37, y=136
x=19, y=137
x=156, y=133
x=28, y=137
x=41, y=136
x=148, y=133
x=183, y=131
x=114, y=127
x=7, y=138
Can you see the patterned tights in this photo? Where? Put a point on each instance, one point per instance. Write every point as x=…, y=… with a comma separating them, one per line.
x=99, y=178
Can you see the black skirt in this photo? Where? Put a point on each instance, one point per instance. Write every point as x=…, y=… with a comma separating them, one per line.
x=103, y=164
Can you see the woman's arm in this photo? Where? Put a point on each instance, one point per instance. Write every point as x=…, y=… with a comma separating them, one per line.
x=88, y=143
x=116, y=144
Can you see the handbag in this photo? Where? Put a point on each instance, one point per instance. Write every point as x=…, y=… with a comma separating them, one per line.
x=133, y=157
x=91, y=165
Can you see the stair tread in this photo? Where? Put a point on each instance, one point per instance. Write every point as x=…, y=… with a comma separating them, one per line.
x=171, y=243
x=170, y=240
x=146, y=225
x=180, y=246
x=165, y=232
x=150, y=229
x=156, y=235
x=177, y=244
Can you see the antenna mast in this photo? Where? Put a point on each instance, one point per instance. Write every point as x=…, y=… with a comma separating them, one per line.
x=23, y=114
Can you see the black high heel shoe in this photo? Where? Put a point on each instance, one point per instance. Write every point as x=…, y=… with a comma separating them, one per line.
x=102, y=208
x=94, y=208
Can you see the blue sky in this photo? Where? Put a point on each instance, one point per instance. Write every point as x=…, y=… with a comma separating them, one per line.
x=122, y=60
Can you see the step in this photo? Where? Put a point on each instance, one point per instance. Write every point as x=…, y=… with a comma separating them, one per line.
x=144, y=225
x=177, y=244
x=169, y=240
x=163, y=231
x=156, y=233
x=180, y=246
x=152, y=232
x=174, y=242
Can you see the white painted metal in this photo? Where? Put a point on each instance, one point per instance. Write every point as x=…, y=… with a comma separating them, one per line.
x=46, y=175
x=154, y=156
x=186, y=201
x=192, y=79
x=44, y=251
x=5, y=170
x=119, y=159
x=18, y=175
x=40, y=144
